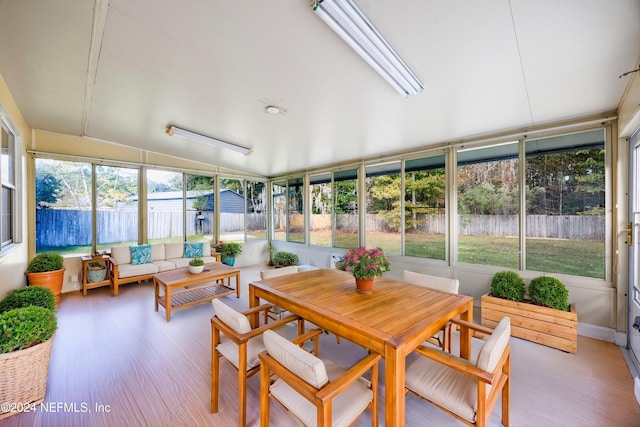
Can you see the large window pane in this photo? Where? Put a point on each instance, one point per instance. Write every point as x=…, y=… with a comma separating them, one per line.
x=295, y=210
x=279, y=195
x=116, y=206
x=488, y=222
x=165, y=206
x=256, y=210
x=345, y=189
x=199, y=214
x=383, y=185
x=232, y=209
x=565, y=224
x=63, y=206
x=321, y=195
x=7, y=172
x=425, y=216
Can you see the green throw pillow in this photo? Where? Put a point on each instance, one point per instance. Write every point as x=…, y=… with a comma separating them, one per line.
x=192, y=250
x=140, y=254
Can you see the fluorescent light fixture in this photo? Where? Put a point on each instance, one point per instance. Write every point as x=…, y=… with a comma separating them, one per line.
x=173, y=130
x=347, y=20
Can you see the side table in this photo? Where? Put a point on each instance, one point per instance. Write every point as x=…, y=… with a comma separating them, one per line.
x=86, y=285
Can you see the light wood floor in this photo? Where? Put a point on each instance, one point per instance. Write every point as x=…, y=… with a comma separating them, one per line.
x=121, y=361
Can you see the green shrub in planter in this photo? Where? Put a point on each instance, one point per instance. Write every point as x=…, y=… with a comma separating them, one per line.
x=507, y=285
x=46, y=261
x=196, y=262
x=549, y=292
x=25, y=327
x=27, y=296
x=285, y=259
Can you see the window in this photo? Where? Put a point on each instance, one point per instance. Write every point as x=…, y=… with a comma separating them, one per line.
x=425, y=208
x=232, y=210
x=488, y=205
x=295, y=210
x=384, y=217
x=165, y=219
x=8, y=174
x=321, y=195
x=278, y=195
x=565, y=192
x=256, y=210
x=200, y=218
x=345, y=190
x=63, y=206
x=116, y=206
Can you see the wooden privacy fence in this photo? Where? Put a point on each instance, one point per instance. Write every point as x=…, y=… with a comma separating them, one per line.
x=62, y=228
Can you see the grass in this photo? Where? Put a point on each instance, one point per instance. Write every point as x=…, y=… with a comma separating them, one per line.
x=578, y=258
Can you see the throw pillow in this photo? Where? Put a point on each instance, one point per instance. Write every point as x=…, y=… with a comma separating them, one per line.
x=140, y=254
x=192, y=250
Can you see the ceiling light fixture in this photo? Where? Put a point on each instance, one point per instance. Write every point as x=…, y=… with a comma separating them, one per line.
x=173, y=130
x=271, y=109
x=347, y=20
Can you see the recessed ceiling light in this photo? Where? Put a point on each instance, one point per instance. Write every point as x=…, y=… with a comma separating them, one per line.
x=271, y=109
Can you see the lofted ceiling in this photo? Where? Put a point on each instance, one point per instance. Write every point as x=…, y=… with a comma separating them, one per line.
x=123, y=70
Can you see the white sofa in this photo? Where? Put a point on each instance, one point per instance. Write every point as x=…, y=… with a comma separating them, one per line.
x=163, y=257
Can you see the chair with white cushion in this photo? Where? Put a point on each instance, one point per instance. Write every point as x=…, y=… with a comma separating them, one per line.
x=443, y=284
x=316, y=392
x=233, y=338
x=278, y=312
x=466, y=389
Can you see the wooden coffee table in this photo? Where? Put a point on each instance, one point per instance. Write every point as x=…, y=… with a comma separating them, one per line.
x=182, y=289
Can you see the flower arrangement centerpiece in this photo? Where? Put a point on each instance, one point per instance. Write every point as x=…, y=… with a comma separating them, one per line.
x=365, y=265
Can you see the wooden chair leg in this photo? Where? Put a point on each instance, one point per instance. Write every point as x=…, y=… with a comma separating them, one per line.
x=215, y=375
x=242, y=386
x=506, y=393
x=265, y=382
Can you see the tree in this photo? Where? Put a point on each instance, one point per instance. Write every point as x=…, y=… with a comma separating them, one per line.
x=47, y=190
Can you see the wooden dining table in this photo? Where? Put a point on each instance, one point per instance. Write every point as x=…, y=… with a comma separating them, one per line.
x=392, y=321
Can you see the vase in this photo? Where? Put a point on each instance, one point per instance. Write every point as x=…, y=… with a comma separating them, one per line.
x=196, y=269
x=364, y=286
x=95, y=276
x=228, y=261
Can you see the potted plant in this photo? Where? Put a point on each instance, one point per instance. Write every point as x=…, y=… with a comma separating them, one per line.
x=96, y=271
x=47, y=269
x=229, y=251
x=365, y=265
x=545, y=317
x=284, y=259
x=196, y=265
x=27, y=328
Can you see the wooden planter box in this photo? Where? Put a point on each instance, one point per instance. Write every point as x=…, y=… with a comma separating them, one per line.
x=542, y=325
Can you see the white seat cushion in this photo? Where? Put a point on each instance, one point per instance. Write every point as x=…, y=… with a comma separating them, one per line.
x=276, y=272
x=157, y=252
x=296, y=359
x=346, y=407
x=122, y=254
x=164, y=265
x=179, y=262
x=444, y=386
x=235, y=320
x=230, y=351
x=173, y=250
x=130, y=270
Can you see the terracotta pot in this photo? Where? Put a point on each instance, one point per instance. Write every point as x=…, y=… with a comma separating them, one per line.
x=364, y=286
x=49, y=279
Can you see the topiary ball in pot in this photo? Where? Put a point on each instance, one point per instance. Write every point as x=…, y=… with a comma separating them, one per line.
x=46, y=261
x=549, y=292
x=27, y=296
x=507, y=285
x=25, y=327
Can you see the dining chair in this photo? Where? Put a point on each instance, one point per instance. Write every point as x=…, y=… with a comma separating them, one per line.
x=443, y=284
x=316, y=392
x=466, y=389
x=233, y=338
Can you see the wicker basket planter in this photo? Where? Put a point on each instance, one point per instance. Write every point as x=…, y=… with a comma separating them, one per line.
x=542, y=325
x=24, y=377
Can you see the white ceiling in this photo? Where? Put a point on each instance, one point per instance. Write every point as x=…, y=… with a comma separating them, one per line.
x=211, y=66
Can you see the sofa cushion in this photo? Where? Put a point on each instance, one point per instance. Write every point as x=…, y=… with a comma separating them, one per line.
x=130, y=270
x=173, y=250
x=179, y=262
x=164, y=265
x=140, y=254
x=206, y=249
x=157, y=252
x=122, y=254
x=192, y=250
